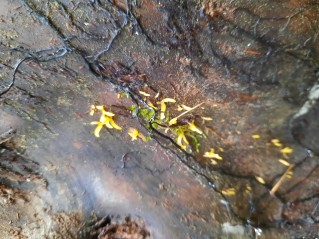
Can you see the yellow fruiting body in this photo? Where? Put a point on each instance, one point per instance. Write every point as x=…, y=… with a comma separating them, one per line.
x=212, y=155
x=276, y=142
x=133, y=133
x=106, y=119
x=260, y=180
x=194, y=128
x=255, y=136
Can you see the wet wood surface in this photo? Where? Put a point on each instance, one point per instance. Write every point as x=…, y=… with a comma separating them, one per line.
x=251, y=68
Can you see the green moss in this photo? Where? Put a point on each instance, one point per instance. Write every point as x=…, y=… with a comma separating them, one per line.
x=146, y=114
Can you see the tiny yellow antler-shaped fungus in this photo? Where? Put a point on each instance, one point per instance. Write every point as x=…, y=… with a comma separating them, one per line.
x=212, y=155
x=163, y=106
x=106, y=119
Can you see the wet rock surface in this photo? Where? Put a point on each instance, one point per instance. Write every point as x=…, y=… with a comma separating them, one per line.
x=113, y=227
x=253, y=66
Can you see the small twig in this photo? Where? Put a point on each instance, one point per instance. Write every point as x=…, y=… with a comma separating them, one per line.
x=280, y=181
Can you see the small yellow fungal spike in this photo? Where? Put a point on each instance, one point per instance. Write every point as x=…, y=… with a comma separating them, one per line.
x=255, y=136
x=92, y=110
x=115, y=126
x=163, y=109
x=179, y=108
x=153, y=106
x=168, y=100
x=163, y=106
x=105, y=120
x=99, y=107
x=185, y=107
x=284, y=162
x=212, y=155
x=289, y=175
x=207, y=118
x=133, y=133
x=180, y=139
x=260, y=180
x=98, y=128
x=229, y=191
x=144, y=93
x=194, y=128
x=172, y=121
x=276, y=142
x=286, y=150
x=248, y=188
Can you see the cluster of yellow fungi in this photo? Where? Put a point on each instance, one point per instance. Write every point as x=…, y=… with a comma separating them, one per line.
x=285, y=151
x=182, y=132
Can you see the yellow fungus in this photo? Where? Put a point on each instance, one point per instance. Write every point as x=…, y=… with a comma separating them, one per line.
x=286, y=150
x=157, y=95
x=182, y=138
x=115, y=126
x=99, y=107
x=163, y=109
x=163, y=106
x=260, y=180
x=185, y=107
x=194, y=128
x=207, y=118
x=153, y=106
x=92, y=110
x=172, y=121
x=212, y=155
x=97, y=129
x=289, y=175
x=106, y=119
x=168, y=100
x=229, y=191
x=133, y=133
x=284, y=162
x=276, y=142
x=255, y=136
x=144, y=93
x=179, y=108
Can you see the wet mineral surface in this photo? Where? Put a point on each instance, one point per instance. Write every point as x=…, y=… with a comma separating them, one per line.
x=251, y=67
